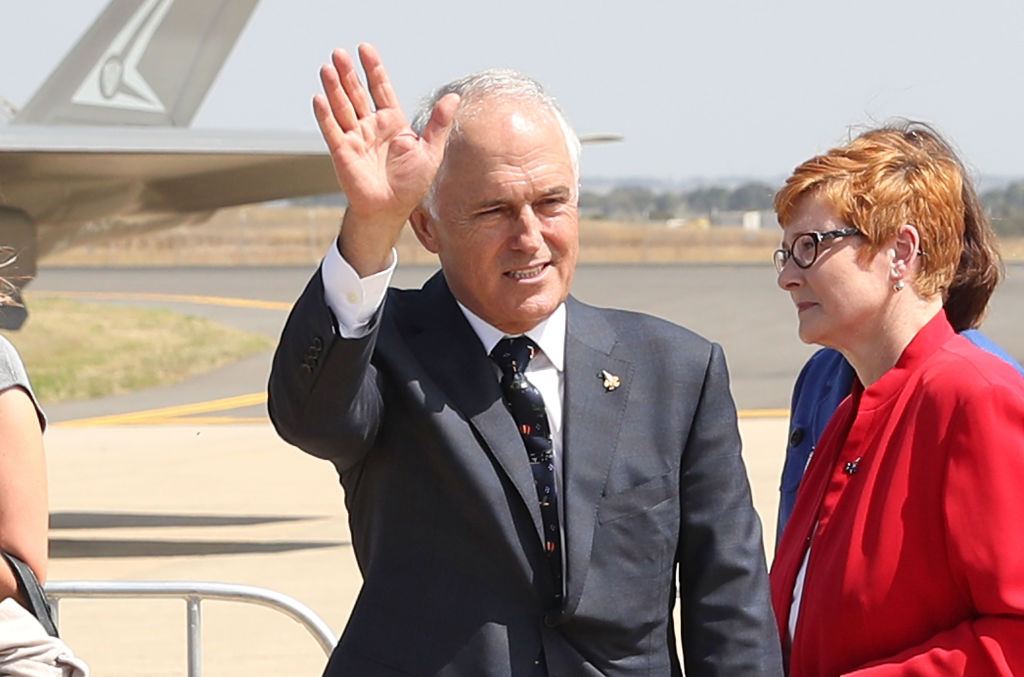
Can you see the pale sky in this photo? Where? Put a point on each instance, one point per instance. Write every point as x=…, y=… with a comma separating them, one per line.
x=699, y=89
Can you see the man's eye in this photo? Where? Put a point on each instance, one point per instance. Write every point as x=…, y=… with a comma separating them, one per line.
x=550, y=205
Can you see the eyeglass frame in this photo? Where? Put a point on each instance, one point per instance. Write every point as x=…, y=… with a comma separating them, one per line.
x=818, y=236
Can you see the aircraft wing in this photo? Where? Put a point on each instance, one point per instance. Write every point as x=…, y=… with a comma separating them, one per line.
x=120, y=170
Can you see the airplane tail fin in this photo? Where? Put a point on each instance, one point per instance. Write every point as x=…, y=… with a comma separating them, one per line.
x=142, y=62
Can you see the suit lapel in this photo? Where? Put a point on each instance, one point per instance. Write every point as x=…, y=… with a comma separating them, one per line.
x=590, y=433
x=451, y=351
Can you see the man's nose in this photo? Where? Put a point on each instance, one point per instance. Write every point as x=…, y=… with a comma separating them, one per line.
x=529, y=228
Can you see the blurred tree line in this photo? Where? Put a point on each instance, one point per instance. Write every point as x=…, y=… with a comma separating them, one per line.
x=1005, y=207
x=640, y=202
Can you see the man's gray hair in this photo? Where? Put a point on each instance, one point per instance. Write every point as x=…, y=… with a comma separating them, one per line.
x=488, y=85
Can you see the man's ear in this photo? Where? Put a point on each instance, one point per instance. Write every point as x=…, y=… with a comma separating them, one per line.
x=425, y=227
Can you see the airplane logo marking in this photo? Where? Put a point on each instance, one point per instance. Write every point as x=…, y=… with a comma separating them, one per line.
x=115, y=80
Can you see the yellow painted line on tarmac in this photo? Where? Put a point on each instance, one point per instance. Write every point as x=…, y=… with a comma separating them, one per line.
x=763, y=413
x=177, y=298
x=170, y=414
x=209, y=420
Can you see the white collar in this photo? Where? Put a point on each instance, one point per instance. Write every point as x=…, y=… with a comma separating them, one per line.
x=549, y=335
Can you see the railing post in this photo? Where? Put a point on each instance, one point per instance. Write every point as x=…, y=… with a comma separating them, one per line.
x=195, y=668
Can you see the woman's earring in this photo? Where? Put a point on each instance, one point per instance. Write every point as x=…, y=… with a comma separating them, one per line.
x=899, y=284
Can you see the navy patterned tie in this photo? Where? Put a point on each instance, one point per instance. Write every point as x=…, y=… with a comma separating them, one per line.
x=525, y=403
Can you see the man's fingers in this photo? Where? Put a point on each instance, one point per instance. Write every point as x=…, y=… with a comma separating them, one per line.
x=328, y=124
x=339, y=104
x=377, y=78
x=440, y=123
x=350, y=83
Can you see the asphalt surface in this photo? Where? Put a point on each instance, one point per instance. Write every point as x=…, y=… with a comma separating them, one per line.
x=738, y=306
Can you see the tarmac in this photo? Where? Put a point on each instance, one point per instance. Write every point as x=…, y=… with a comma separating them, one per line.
x=229, y=504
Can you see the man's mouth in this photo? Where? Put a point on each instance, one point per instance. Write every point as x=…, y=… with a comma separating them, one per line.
x=527, y=273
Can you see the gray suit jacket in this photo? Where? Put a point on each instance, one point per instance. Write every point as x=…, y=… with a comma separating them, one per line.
x=444, y=517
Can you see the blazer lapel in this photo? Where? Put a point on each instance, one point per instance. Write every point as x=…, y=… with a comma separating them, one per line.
x=451, y=351
x=590, y=433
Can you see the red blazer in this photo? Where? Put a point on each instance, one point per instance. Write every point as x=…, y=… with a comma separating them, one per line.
x=913, y=505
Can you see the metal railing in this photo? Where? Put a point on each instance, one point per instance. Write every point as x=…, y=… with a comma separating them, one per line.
x=193, y=593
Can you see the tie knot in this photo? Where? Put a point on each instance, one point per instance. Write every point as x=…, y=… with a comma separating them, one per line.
x=512, y=354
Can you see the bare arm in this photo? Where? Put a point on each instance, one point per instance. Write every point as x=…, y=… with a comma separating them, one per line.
x=24, y=515
x=383, y=167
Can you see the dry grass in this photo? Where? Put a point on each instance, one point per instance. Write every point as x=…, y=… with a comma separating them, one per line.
x=260, y=235
x=77, y=351
x=299, y=236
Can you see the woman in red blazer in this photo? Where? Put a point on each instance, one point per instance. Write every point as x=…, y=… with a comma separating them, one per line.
x=905, y=551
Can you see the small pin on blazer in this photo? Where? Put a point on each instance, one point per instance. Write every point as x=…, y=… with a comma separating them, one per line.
x=609, y=380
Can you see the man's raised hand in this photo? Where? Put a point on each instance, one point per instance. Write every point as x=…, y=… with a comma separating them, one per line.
x=383, y=167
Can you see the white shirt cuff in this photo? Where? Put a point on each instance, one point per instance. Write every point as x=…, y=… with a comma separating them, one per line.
x=353, y=300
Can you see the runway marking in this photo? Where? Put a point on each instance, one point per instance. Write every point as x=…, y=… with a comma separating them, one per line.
x=176, y=413
x=209, y=420
x=176, y=298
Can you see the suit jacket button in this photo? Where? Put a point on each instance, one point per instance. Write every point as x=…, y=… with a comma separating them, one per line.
x=797, y=437
x=318, y=344
x=306, y=368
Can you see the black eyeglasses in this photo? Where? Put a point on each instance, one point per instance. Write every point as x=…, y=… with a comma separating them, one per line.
x=804, y=250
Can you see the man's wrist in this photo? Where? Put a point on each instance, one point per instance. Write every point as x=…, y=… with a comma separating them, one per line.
x=366, y=241
x=354, y=299
x=365, y=258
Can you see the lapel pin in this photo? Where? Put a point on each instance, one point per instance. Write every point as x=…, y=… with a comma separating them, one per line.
x=610, y=380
